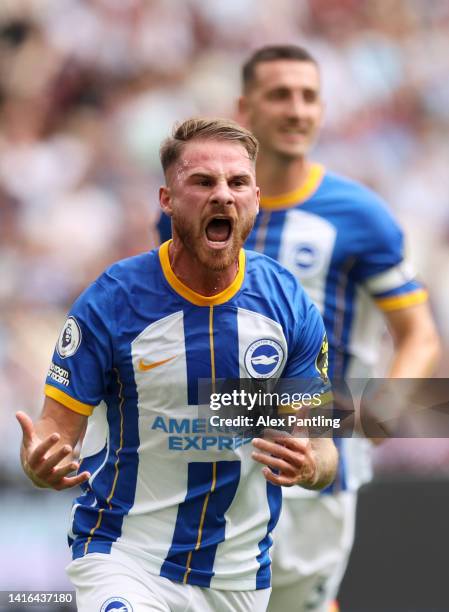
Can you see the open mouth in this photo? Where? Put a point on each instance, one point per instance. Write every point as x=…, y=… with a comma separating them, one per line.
x=219, y=229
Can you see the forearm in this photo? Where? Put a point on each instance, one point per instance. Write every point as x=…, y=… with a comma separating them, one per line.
x=326, y=461
x=416, y=342
x=415, y=356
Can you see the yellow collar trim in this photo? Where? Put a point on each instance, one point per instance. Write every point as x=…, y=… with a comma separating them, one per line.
x=190, y=294
x=300, y=195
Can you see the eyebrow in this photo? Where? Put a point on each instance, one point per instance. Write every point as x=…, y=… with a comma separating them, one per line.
x=243, y=176
x=199, y=175
x=246, y=176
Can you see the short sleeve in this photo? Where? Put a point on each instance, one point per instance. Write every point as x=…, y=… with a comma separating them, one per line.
x=381, y=265
x=82, y=361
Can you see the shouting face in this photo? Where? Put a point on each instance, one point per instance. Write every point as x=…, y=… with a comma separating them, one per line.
x=212, y=198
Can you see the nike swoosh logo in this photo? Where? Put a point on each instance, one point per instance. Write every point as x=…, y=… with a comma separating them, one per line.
x=144, y=367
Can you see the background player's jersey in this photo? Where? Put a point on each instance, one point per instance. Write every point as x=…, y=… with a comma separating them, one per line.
x=189, y=503
x=338, y=238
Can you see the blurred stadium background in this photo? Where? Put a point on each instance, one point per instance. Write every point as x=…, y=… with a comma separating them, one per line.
x=88, y=88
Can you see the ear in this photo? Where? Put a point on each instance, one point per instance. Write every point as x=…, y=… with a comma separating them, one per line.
x=258, y=198
x=165, y=200
x=322, y=112
x=242, y=111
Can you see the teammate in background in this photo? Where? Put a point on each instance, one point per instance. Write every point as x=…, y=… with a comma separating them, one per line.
x=172, y=517
x=339, y=239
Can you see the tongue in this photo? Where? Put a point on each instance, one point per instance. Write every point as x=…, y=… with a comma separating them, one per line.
x=218, y=230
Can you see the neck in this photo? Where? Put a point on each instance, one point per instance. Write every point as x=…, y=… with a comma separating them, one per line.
x=192, y=273
x=276, y=175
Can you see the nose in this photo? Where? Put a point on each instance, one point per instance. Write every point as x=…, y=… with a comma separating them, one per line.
x=222, y=194
x=297, y=106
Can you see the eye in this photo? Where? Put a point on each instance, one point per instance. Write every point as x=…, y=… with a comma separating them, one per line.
x=281, y=93
x=310, y=95
x=239, y=181
x=204, y=182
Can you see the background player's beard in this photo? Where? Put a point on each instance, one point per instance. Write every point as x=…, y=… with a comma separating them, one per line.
x=216, y=260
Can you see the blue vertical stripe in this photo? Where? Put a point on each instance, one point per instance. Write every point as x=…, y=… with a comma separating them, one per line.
x=197, y=344
x=338, y=318
x=98, y=526
x=200, y=523
x=274, y=233
x=263, y=576
x=226, y=342
x=341, y=481
x=266, y=235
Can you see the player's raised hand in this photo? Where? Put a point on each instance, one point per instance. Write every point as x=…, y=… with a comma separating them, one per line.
x=46, y=460
x=292, y=457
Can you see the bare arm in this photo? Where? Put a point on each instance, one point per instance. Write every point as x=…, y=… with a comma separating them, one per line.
x=416, y=343
x=416, y=353
x=47, y=447
x=310, y=463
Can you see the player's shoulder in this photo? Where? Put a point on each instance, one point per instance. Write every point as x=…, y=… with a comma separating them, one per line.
x=355, y=192
x=129, y=274
x=364, y=205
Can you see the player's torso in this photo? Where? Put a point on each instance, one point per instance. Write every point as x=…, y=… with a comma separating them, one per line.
x=319, y=241
x=188, y=499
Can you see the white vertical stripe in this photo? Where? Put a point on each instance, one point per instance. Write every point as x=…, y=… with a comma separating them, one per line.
x=307, y=244
x=162, y=391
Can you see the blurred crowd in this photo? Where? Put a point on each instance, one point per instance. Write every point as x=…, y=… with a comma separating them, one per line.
x=88, y=88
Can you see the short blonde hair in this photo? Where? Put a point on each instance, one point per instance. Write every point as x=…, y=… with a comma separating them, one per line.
x=206, y=129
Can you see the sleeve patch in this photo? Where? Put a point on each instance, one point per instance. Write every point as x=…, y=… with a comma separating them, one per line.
x=59, y=375
x=322, y=360
x=69, y=339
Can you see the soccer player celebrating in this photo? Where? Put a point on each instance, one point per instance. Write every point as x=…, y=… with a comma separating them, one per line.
x=338, y=238
x=173, y=516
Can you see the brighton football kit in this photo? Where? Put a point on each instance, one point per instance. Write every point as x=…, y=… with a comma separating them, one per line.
x=179, y=501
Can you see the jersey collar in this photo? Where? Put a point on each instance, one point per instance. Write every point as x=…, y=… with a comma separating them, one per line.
x=193, y=296
x=299, y=195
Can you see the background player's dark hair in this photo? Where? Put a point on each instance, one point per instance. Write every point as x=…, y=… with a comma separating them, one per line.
x=205, y=129
x=270, y=54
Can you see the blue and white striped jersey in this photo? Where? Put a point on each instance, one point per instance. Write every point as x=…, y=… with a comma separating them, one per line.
x=338, y=238
x=189, y=505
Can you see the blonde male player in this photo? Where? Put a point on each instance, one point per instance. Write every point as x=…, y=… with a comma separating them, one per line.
x=173, y=517
x=339, y=239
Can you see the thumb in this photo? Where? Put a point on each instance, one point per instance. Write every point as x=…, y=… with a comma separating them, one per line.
x=27, y=427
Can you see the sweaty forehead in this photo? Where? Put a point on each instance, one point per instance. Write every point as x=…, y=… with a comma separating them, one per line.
x=215, y=156
x=291, y=73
